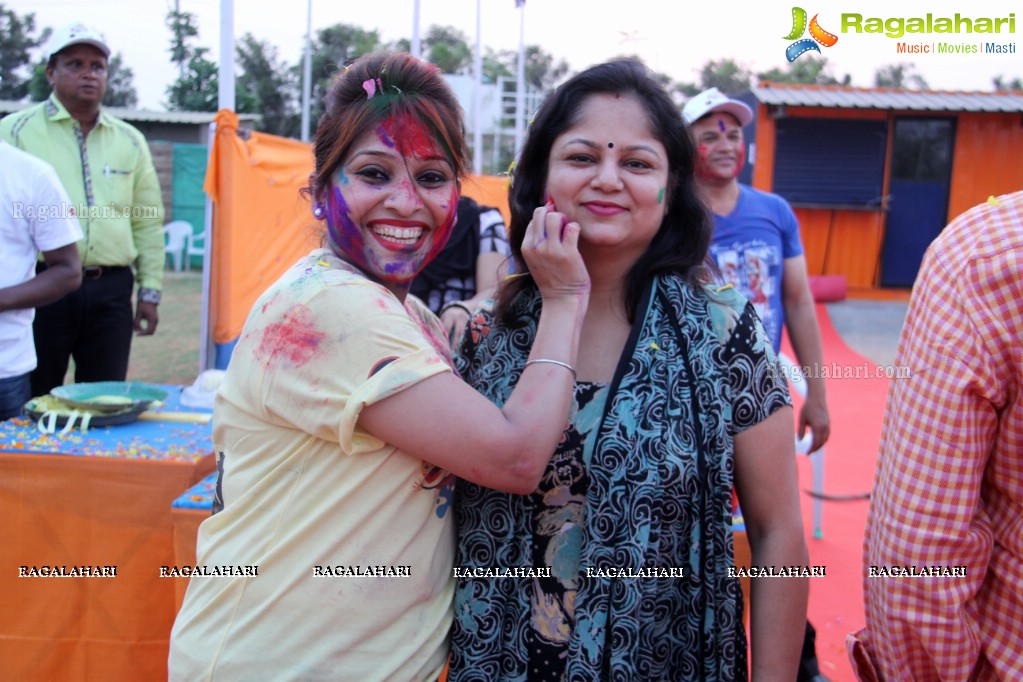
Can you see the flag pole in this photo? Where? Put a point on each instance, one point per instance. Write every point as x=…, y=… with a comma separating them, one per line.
x=225, y=73
x=225, y=100
x=416, y=48
x=307, y=72
x=477, y=100
x=520, y=79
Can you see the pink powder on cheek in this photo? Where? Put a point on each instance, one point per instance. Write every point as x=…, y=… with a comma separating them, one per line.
x=445, y=228
x=702, y=169
x=740, y=160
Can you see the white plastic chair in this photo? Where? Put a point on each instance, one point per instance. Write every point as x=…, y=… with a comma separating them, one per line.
x=179, y=235
x=195, y=245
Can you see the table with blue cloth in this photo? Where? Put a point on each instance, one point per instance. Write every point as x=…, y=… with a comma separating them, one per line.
x=87, y=526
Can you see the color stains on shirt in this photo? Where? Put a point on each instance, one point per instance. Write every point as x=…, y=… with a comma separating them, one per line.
x=295, y=339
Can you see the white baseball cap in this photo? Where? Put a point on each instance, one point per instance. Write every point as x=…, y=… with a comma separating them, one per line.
x=76, y=33
x=712, y=100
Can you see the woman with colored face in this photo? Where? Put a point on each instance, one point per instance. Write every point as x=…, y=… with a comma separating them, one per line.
x=391, y=205
x=340, y=426
x=676, y=400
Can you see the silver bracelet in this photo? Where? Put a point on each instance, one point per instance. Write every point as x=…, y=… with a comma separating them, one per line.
x=559, y=363
x=149, y=295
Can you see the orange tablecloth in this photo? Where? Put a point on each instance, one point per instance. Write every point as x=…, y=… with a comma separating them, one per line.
x=186, y=527
x=65, y=510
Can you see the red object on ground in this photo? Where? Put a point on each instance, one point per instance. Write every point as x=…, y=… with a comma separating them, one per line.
x=827, y=288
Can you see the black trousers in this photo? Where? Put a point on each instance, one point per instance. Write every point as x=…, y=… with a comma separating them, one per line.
x=808, y=667
x=93, y=325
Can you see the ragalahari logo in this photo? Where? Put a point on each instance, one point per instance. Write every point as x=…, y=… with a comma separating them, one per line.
x=817, y=35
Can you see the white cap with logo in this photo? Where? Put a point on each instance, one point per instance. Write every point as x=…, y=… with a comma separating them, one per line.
x=712, y=100
x=76, y=33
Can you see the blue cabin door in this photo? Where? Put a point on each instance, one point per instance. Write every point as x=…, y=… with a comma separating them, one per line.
x=918, y=193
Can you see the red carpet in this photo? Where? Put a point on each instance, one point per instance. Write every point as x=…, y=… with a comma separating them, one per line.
x=856, y=398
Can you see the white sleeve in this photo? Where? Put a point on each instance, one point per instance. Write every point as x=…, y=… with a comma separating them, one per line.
x=54, y=224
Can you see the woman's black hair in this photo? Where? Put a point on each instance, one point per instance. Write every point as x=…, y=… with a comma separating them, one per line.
x=682, y=242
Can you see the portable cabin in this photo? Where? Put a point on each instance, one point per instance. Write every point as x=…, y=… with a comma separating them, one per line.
x=874, y=174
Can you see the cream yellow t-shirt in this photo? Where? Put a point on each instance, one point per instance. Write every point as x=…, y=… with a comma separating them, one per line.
x=316, y=503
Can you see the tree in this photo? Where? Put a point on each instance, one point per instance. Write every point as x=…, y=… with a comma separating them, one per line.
x=183, y=28
x=196, y=87
x=199, y=89
x=725, y=75
x=38, y=87
x=120, y=84
x=266, y=86
x=1000, y=83
x=899, y=76
x=808, y=70
x=448, y=49
x=542, y=72
x=16, y=41
x=499, y=65
x=334, y=48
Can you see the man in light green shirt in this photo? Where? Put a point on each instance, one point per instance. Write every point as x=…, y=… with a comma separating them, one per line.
x=107, y=171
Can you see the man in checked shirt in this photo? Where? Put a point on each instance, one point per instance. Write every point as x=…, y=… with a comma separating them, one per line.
x=948, y=488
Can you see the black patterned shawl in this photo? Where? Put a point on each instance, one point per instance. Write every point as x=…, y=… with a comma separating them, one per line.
x=697, y=369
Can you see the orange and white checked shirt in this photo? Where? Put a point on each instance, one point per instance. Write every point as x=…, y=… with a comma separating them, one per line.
x=948, y=488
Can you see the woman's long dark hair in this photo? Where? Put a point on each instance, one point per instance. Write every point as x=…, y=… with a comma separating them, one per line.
x=680, y=245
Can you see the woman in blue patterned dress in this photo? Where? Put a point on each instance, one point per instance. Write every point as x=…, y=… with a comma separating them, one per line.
x=677, y=400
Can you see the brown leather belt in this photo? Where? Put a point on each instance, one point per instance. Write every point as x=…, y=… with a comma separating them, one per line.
x=97, y=271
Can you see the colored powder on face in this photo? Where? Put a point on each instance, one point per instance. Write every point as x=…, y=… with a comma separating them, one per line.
x=702, y=169
x=660, y=196
x=295, y=338
x=407, y=269
x=443, y=231
x=740, y=160
x=409, y=136
x=721, y=125
x=340, y=226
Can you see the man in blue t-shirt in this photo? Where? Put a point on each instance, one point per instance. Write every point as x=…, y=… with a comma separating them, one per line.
x=757, y=248
x=756, y=243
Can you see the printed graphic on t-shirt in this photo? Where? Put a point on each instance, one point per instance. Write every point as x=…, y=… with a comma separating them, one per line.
x=436, y=478
x=748, y=267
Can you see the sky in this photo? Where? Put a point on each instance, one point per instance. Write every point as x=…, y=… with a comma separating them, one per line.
x=675, y=41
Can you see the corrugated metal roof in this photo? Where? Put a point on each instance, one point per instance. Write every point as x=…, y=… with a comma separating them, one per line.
x=886, y=98
x=141, y=115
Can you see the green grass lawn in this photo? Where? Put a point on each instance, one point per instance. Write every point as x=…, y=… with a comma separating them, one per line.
x=171, y=355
